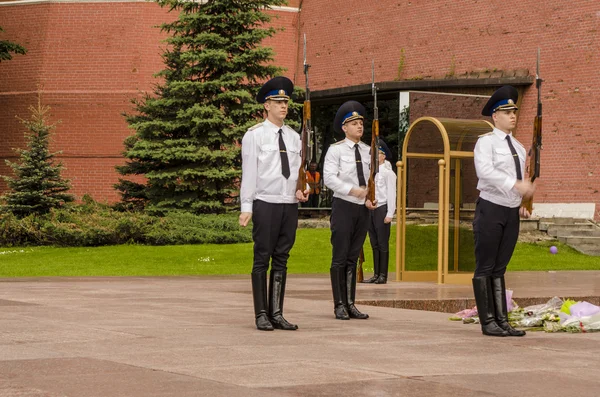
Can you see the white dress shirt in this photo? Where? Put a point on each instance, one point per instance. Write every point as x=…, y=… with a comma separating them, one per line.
x=496, y=168
x=261, y=165
x=385, y=188
x=339, y=170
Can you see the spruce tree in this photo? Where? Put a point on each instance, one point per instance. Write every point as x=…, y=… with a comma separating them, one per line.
x=8, y=47
x=187, y=134
x=37, y=186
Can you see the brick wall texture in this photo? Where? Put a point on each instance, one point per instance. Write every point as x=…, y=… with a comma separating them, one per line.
x=93, y=57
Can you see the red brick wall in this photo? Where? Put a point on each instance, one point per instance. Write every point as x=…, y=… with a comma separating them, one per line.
x=285, y=43
x=99, y=55
x=425, y=138
x=438, y=37
x=91, y=59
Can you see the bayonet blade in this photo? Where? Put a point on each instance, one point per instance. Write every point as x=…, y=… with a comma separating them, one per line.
x=374, y=91
x=304, y=49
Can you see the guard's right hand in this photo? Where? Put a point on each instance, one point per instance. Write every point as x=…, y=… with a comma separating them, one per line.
x=524, y=213
x=525, y=189
x=245, y=218
x=302, y=196
x=358, y=192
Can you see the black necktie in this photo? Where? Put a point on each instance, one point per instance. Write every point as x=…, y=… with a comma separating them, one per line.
x=285, y=164
x=515, y=157
x=359, y=169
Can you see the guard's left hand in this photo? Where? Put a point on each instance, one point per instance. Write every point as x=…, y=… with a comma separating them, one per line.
x=302, y=196
x=387, y=220
x=371, y=205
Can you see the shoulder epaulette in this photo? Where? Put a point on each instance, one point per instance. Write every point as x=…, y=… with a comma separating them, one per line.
x=339, y=142
x=519, y=143
x=255, y=126
x=287, y=127
x=486, y=134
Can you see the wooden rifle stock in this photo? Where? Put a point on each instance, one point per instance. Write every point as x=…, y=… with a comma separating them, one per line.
x=302, y=180
x=359, y=269
x=536, y=144
x=374, y=161
x=534, y=159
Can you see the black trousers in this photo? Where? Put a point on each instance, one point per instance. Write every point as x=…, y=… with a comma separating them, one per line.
x=274, y=232
x=496, y=229
x=349, y=223
x=379, y=232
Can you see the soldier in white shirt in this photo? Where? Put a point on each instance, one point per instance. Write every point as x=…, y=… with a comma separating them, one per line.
x=380, y=219
x=499, y=162
x=345, y=171
x=270, y=164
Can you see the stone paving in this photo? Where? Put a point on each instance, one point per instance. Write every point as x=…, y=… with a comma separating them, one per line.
x=195, y=336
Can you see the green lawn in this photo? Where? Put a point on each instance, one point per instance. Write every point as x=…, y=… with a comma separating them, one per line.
x=311, y=254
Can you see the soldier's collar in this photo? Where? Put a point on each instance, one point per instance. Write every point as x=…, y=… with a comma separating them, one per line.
x=350, y=142
x=501, y=134
x=272, y=126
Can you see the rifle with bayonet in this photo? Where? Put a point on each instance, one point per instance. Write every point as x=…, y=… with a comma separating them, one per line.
x=536, y=145
x=374, y=159
x=306, y=155
x=374, y=140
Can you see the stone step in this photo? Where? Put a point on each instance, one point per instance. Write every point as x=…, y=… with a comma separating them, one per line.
x=595, y=251
x=555, y=229
x=561, y=221
x=585, y=245
x=578, y=233
x=454, y=305
x=583, y=240
x=569, y=239
x=528, y=225
x=545, y=223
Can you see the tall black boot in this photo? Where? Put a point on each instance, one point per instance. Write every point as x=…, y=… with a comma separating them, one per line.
x=499, y=288
x=384, y=260
x=484, y=297
x=375, y=268
x=276, y=295
x=259, y=293
x=338, y=283
x=353, y=312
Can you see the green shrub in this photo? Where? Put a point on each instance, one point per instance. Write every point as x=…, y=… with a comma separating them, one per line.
x=19, y=232
x=187, y=228
x=94, y=224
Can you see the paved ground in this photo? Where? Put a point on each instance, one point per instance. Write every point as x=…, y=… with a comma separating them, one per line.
x=195, y=337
